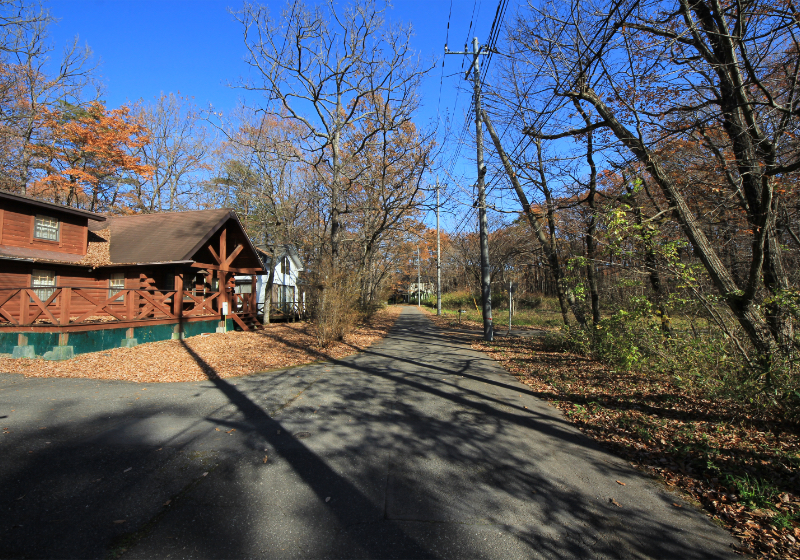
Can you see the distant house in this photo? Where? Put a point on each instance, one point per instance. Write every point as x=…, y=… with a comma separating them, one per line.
x=287, y=298
x=74, y=278
x=425, y=287
x=410, y=287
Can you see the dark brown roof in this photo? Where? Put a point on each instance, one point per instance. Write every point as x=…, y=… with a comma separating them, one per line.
x=28, y=254
x=96, y=254
x=50, y=206
x=168, y=237
x=164, y=237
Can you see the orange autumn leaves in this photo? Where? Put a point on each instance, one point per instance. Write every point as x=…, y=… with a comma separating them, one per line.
x=87, y=151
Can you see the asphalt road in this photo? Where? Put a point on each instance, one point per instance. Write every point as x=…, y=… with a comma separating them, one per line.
x=417, y=448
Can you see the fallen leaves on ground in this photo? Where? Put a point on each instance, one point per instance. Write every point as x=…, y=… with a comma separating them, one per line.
x=211, y=356
x=742, y=465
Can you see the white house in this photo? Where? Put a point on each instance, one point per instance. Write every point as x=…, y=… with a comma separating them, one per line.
x=286, y=298
x=426, y=288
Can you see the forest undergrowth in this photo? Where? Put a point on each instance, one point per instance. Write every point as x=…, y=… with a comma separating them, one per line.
x=739, y=462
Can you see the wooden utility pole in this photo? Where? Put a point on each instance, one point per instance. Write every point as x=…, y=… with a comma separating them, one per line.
x=438, y=257
x=486, y=277
x=419, y=280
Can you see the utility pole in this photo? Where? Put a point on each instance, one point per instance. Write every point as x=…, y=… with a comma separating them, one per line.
x=438, y=257
x=486, y=287
x=419, y=281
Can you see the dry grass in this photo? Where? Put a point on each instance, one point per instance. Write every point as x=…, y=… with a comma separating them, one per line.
x=201, y=357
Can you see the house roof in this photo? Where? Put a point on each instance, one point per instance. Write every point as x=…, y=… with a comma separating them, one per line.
x=5, y=195
x=27, y=254
x=163, y=237
x=96, y=254
x=280, y=251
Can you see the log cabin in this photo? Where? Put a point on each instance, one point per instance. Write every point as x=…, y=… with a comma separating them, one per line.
x=74, y=278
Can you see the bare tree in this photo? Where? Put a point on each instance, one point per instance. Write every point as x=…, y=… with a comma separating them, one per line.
x=329, y=69
x=263, y=172
x=649, y=75
x=178, y=152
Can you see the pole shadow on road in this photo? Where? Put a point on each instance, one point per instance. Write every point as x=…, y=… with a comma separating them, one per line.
x=445, y=434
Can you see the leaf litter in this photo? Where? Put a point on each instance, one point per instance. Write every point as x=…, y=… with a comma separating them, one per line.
x=742, y=465
x=221, y=355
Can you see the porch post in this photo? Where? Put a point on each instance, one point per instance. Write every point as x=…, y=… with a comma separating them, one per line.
x=253, y=295
x=177, y=300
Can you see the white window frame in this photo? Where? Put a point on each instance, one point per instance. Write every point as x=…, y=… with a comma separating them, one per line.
x=43, y=289
x=116, y=283
x=46, y=228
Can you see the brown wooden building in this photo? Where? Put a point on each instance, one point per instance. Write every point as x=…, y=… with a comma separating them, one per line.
x=64, y=270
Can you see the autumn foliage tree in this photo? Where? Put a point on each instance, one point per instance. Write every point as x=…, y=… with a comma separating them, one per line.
x=87, y=155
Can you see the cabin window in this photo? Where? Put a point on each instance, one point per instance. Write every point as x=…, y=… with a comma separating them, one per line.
x=45, y=227
x=285, y=266
x=43, y=283
x=116, y=283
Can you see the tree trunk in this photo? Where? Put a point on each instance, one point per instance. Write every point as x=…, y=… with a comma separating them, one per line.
x=268, y=289
x=547, y=247
x=742, y=306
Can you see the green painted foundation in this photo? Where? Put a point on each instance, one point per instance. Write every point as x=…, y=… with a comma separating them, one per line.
x=105, y=339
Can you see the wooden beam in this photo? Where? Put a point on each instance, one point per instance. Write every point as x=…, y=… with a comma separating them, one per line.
x=24, y=303
x=235, y=254
x=14, y=292
x=234, y=270
x=239, y=322
x=66, y=301
x=42, y=306
x=101, y=307
x=157, y=305
x=214, y=254
x=177, y=300
x=84, y=327
x=7, y=315
x=223, y=244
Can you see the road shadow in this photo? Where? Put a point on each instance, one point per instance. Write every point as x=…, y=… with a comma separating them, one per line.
x=407, y=450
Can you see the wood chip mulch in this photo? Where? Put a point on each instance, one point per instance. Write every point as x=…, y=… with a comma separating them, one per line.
x=741, y=465
x=215, y=355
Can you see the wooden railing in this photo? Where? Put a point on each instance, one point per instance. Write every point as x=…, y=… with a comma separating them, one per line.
x=288, y=308
x=78, y=305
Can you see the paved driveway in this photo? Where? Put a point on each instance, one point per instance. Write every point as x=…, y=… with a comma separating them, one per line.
x=417, y=448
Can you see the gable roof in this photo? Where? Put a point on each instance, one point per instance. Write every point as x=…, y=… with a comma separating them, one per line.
x=164, y=237
x=288, y=250
x=49, y=206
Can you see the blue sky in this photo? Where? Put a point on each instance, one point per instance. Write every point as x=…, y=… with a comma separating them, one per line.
x=195, y=47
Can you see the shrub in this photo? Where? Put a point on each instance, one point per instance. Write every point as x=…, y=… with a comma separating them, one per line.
x=333, y=305
x=528, y=302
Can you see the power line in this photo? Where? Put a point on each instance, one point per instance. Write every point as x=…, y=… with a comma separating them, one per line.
x=537, y=125
x=494, y=33
x=441, y=78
